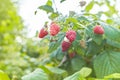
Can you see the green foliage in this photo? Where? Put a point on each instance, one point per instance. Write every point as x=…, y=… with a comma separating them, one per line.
x=113, y=43
x=10, y=29
x=110, y=63
x=53, y=16
x=89, y=6
x=48, y=7
x=49, y=73
x=17, y=53
x=80, y=63
x=57, y=54
x=114, y=76
x=99, y=52
x=3, y=76
x=111, y=32
x=80, y=75
x=62, y=1
x=36, y=75
x=55, y=44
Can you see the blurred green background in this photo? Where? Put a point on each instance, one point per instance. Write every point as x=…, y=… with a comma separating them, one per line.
x=18, y=54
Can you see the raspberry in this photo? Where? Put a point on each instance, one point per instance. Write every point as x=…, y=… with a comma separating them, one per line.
x=71, y=55
x=71, y=35
x=54, y=29
x=65, y=46
x=98, y=30
x=43, y=33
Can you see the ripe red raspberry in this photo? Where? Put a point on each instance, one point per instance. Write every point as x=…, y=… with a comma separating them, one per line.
x=65, y=46
x=71, y=35
x=43, y=33
x=98, y=30
x=71, y=55
x=54, y=29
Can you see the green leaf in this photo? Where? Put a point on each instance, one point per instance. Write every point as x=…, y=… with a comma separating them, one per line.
x=113, y=43
x=54, y=73
x=97, y=38
x=70, y=19
x=85, y=71
x=75, y=76
x=93, y=48
x=109, y=21
x=76, y=43
x=111, y=32
x=58, y=71
x=78, y=36
x=38, y=74
x=53, y=16
x=57, y=54
x=46, y=8
x=62, y=1
x=106, y=63
x=99, y=3
x=83, y=18
x=72, y=22
x=3, y=76
x=46, y=70
x=112, y=8
x=80, y=75
x=89, y=30
x=89, y=6
x=49, y=3
x=95, y=79
x=115, y=75
x=54, y=45
x=77, y=63
x=77, y=46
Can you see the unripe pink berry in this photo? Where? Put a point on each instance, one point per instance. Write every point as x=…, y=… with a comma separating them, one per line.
x=54, y=29
x=98, y=30
x=71, y=35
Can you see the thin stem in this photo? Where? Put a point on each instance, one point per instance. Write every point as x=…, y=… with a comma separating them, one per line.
x=55, y=6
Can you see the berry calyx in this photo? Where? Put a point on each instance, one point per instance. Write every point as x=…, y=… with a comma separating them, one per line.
x=71, y=35
x=54, y=29
x=83, y=44
x=65, y=46
x=98, y=30
x=82, y=3
x=43, y=32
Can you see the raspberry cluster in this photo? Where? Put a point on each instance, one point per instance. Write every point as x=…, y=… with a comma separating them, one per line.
x=70, y=35
x=54, y=30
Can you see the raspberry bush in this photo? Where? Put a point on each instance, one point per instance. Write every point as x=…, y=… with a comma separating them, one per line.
x=81, y=46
